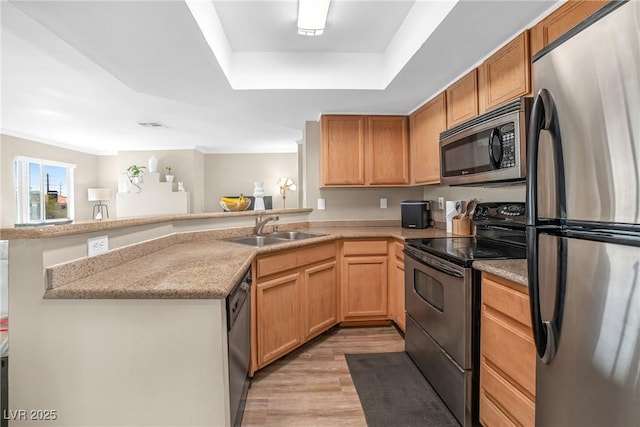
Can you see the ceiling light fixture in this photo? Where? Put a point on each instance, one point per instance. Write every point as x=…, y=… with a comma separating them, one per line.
x=312, y=16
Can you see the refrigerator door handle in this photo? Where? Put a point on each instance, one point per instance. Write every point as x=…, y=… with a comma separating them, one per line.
x=546, y=334
x=544, y=116
x=540, y=330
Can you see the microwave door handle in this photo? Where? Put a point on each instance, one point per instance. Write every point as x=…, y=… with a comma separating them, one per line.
x=544, y=116
x=495, y=160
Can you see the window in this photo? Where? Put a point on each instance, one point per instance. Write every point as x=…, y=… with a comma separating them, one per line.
x=44, y=191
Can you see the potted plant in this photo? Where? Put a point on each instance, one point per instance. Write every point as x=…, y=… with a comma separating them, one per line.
x=134, y=173
x=168, y=175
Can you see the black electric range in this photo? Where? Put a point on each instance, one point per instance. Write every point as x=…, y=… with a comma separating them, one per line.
x=500, y=234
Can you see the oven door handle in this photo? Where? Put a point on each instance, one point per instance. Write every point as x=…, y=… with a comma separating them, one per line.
x=441, y=267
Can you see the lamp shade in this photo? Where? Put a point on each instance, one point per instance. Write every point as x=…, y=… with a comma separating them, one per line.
x=98, y=194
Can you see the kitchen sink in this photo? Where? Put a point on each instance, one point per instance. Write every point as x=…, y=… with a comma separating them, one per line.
x=294, y=235
x=257, y=241
x=273, y=238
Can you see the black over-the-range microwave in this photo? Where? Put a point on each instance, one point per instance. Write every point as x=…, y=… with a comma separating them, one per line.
x=490, y=148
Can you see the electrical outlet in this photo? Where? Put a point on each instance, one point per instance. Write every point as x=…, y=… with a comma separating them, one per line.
x=440, y=202
x=321, y=205
x=383, y=203
x=97, y=245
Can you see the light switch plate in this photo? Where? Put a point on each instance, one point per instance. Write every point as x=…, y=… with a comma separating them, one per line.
x=321, y=205
x=97, y=245
x=383, y=203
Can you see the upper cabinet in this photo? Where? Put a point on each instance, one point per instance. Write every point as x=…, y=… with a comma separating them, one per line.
x=362, y=151
x=387, y=150
x=462, y=99
x=370, y=151
x=561, y=20
x=505, y=75
x=426, y=124
x=342, y=150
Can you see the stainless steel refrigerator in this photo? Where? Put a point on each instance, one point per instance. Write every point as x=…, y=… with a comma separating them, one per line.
x=583, y=215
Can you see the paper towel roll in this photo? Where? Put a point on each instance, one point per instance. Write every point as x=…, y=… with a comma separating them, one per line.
x=452, y=208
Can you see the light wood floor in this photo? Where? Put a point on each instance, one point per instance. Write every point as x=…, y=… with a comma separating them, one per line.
x=312, y=385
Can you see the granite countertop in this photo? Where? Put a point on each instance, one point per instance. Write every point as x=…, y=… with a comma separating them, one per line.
x=199, y=269
x=79, y=227
x=514, y=270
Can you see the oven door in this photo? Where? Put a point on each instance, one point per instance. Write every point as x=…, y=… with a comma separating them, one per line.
x=439, y=298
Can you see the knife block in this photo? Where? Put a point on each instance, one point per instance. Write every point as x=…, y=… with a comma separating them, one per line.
x=462, y=226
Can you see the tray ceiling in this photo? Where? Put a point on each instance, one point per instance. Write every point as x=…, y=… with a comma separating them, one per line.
x=230, y=76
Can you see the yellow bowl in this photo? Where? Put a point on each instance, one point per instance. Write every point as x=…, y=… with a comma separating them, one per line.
x=234, y=204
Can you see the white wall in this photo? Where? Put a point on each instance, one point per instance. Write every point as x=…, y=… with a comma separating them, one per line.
x=208, y=177
x=85, y=174
x=232, y=174
x=187, y=166
x=506, y=193
x=113, y=362
x=4, y=278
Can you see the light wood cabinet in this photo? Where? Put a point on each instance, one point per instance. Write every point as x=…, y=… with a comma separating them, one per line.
x=363, y=151
x=425, y=125
x=507, y=355
x=364, y=280
x=342, y=150
x=562, y=20
x=462, y=99
x=387, y=150
x=396, y=286
x=506, y=74
x=296, y=298
x=279, y=328
x=320, y=298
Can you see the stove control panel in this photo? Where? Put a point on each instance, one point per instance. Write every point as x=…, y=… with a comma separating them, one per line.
x=500, y=212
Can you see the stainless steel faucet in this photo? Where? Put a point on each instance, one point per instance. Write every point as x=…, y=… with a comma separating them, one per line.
x=260, y=222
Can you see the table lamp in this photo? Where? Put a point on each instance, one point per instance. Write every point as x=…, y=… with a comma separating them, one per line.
x=100, y=195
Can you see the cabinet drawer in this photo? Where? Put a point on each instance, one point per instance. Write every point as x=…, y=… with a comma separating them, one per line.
x=506, y=347
x=398, y=248
x=365, y=247
x=500, y=392
x=292, y=259
x=500, y=296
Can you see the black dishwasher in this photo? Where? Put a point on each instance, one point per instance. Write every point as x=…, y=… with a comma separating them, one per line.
x=239, y=342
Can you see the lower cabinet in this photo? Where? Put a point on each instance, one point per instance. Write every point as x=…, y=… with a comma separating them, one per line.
x=396, y=286
x=320, y=299
x=279, y=313
x=364, y=277
x=507, y=355
x=301, y=293
x=296, y=298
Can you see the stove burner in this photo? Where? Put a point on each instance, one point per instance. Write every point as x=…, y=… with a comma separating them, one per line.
x=465, y=250
x=500, y=235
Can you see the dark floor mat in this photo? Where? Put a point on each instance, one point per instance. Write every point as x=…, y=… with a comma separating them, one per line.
x=393, y=392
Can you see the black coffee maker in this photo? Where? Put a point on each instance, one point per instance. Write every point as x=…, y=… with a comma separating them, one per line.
x=416, y=214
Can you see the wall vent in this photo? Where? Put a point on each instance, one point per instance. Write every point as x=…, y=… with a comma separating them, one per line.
x=152, y=124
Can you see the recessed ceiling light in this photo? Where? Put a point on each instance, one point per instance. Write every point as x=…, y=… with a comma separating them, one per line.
x=312, y=16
